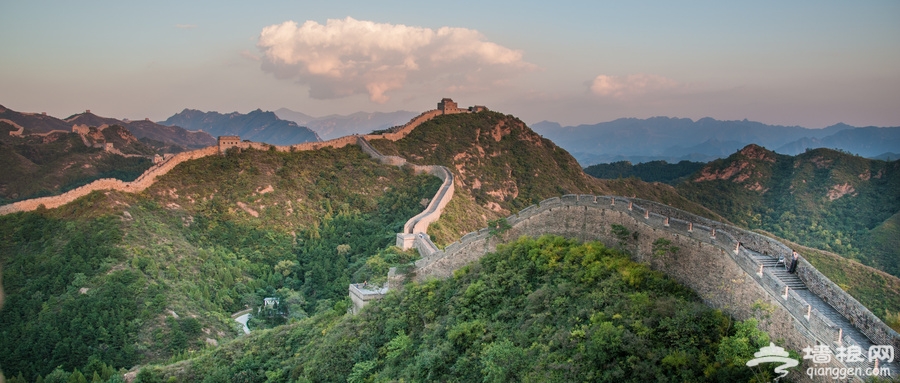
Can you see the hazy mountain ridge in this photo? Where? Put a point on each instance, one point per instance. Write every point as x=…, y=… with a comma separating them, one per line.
x=176, y=136
x=167, y=139
x=34, y=122
x=258, y=126
x=821, y=198
x=335, y=125
x=40, y=165
x=676, y=139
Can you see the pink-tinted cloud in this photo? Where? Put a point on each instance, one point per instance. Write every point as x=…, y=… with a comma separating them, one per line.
x=632, y=85
x=347, y=57
x=250, y=56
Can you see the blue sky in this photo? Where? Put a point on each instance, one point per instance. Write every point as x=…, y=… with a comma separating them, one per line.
x=808, y=63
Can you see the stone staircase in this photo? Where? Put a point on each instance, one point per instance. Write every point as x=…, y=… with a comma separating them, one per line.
x=780, y=271
x=816, y=303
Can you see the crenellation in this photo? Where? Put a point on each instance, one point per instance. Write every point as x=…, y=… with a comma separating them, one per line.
x=734, y=287
x=549, y=202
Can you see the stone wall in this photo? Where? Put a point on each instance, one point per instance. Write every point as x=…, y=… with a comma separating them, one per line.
x=375, y=154
x=144, y=181
x=398, y=133
x=420, y=222
x=723, y=274
x=861, y=317
x=149, y=176
x=19, y=129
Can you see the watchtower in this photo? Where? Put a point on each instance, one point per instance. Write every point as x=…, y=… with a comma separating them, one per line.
x=448, y=106
x=226, y=142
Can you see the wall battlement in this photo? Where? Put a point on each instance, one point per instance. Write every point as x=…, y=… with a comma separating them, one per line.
x=718, y=261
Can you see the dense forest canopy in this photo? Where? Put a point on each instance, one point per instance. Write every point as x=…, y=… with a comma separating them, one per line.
x=545, y=309
x=653, y=171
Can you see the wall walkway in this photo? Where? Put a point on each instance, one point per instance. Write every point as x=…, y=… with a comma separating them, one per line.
x=730, y=268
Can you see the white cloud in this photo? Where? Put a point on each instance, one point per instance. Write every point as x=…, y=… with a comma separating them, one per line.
x=632, y=85
x=185, y=26
x=347, y=57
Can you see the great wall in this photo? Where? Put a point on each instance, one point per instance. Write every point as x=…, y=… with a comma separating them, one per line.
x=729, y=268
x=446, y=106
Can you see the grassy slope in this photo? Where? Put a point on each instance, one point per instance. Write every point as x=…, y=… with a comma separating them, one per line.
x=824, y=199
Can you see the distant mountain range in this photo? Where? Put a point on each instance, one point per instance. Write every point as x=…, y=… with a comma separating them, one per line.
x=677, y=139
x=258, y=126
x=162, y=138
x=166, y=139
x=335, y=125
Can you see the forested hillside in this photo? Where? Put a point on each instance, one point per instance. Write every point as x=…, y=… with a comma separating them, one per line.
x=114, y=280
x=822, y=198
x=844, y=205
x=544, y=309
x=653, y=171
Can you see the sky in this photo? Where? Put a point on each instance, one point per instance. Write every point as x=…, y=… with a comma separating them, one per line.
x=806, y=63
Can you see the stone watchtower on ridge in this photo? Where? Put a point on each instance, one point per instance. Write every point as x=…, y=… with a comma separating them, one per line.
x=448, y=106
x=226, y=142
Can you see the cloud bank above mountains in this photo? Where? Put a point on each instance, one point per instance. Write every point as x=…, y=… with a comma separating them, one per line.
x=345, y=57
